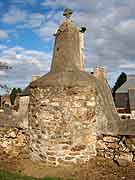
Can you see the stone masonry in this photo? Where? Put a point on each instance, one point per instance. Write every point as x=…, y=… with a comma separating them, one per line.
x=120, y=148
x=68, y=106
x=13, y=143
x=69, y=115
x=62, y=124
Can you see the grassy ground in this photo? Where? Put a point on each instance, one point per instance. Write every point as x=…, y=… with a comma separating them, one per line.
x=96, y=169
x=4, y=175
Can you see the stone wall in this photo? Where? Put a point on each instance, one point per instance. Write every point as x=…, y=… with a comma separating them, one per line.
x=13, y=143
x=121, y=148
x=62, y=124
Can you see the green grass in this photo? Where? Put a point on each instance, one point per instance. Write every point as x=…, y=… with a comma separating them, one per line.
x=4, y=175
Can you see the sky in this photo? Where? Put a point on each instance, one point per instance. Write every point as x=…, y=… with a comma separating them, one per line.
x=27, y=28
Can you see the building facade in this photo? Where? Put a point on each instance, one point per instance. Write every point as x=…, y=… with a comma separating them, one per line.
x=125, y=96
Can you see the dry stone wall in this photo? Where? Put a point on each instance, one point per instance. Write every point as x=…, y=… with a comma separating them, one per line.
x=62, y=124
x=13, y=143
x=120, y=148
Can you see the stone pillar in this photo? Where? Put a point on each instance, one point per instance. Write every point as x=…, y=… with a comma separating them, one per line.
x=68, y=48
x=22, y=114
x=23, y=111
x=99, y=73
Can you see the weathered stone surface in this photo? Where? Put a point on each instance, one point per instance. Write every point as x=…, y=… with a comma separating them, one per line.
x=72, y=115
x=100, y=145
x=122, y=162
x=120, y=148
x=126, y=156
x=124, y=159
x=130, y=142
x=65, y=124
x=78, y=147
x=13, y=142
x=69, y=106
x=109, y=154
x=100, y=153
x=123, y=147
x=12, y=134
x=21, y=116
x=110, y=139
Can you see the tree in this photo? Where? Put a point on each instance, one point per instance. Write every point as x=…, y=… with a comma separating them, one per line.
x=120, y=80
x=13, y=95
x=19, y=90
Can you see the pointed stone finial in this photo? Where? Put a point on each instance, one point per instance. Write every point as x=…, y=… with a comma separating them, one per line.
x=69, y=46
x=67, y=13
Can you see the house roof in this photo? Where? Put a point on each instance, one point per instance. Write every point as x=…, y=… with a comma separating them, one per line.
x=129, y=84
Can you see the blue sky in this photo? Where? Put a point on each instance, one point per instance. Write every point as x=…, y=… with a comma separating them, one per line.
x=27, y=28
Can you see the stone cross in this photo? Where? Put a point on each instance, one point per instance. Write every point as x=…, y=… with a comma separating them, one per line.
x=67, y=13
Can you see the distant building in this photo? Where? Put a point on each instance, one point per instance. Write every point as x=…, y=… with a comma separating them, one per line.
x=125, y=96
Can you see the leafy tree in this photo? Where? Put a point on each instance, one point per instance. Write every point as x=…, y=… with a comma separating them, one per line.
x=19, y=90
x=13, y=95
x=120, y=80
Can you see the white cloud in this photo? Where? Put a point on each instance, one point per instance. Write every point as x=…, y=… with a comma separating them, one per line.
x=126, y=27
x=53, y=3
x=2, y=73
x=109, y=39
x=2, y=46
x=128, y=66
x=24, y=64
x=48, y=30
x=25, y=2
x=3, y=34
x=14, y=15
x=35, y=20
x=79, y=4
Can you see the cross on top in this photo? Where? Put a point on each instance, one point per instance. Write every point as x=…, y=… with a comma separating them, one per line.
x=67, y=13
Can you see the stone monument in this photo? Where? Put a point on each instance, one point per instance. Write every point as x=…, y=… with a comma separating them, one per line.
x=68, y=106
